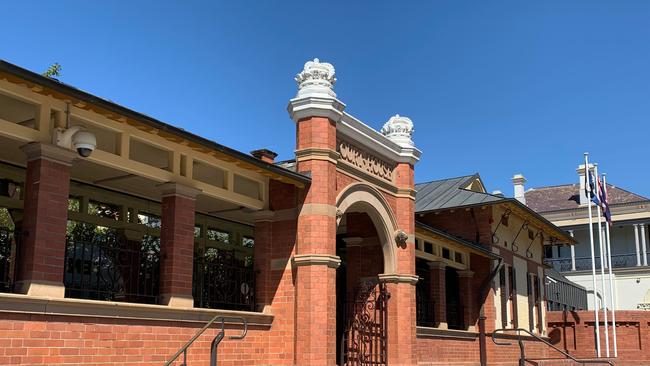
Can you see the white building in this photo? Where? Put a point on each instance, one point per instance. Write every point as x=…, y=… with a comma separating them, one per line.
x=566, y=206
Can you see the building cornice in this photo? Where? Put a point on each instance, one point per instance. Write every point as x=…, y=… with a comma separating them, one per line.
x=315, y=106
x=374, y=141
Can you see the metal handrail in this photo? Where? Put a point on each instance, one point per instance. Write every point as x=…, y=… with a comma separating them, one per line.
x=522, y=358
x=215, y=342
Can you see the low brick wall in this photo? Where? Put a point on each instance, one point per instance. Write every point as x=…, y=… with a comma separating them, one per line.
x=459, y=348
x=56, y=340
x=574, y=332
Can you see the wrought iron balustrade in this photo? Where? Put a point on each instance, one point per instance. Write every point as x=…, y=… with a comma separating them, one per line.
x=455, y=316
x=425, y=312
x=224, y=281
x=584, y=263
x=102, y=264
x=7, y=258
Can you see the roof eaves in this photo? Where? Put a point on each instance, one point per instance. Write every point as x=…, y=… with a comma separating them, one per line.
x=127, y=112
x=463, y=242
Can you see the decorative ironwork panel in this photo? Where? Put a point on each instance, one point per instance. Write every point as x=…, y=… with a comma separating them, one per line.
x=424, y=309
x=103, y=264
x=223, y=281
x=366, y=326
x=8, y=245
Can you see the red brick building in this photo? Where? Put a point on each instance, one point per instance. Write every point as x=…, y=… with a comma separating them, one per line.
x=122, y=236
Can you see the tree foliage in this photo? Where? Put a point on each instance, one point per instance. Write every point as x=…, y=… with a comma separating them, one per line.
x=53, y=71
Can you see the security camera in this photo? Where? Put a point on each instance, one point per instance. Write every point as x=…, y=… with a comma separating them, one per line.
x=84, y=142
x=76, y=138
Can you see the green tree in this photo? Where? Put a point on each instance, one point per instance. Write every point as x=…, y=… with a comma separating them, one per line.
x=53, y=71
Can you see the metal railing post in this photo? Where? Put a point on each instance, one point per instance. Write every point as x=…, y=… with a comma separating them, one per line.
x=215, y=342
x=522, y=359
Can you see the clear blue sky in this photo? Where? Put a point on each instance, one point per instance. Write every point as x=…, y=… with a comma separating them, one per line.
x=493, y=87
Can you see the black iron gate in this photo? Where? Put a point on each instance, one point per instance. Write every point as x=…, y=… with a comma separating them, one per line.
x=364, y=341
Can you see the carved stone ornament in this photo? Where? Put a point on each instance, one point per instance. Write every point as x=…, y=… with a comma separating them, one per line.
x=364, y=161
x=317, y=78
x=400, y=130
x=401, y=237
x=339, y=215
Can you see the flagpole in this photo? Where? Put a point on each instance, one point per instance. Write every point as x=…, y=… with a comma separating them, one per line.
x=593, y=259
x=611, y=281
x=602, y=263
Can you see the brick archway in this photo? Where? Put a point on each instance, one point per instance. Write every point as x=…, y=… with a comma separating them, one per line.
x=363, y=198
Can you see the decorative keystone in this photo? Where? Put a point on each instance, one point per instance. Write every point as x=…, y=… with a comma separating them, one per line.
x=317, y=78
x=400, y=130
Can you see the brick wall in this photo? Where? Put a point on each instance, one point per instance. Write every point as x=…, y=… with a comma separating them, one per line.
x=473, y=224
x=59, y=340
x=457, y=351
x=574, y=332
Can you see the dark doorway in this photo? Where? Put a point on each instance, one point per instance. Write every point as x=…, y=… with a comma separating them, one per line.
x=341, y=295
x=361, y=311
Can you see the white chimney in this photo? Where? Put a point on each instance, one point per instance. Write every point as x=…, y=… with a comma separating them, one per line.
x=520, y=193
x=581, y=174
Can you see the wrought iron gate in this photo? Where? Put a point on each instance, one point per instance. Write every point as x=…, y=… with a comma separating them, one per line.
x=364, y=341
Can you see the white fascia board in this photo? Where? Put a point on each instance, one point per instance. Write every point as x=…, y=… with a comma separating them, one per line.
x=371, y=139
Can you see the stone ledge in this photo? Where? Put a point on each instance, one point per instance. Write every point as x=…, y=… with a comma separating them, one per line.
x=331, y=261
x=427, y=332
x=23, y=304
x=398, y=278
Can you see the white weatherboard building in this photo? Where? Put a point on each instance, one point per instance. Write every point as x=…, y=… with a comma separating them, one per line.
x=566, y=206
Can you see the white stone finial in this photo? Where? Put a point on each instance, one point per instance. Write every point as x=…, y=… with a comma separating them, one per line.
x=400, y=130
x=316, y=79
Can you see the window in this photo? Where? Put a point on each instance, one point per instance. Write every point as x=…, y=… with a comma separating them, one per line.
x=107, y=257
x=224, y=277
x=428, y=247
x=74, y=204
x=197, y=231
x=104, y=210
x=218, y=235
x=458, y=257
x=248, y=242
x=149, y=220
x=446, y=253
x=424, y=301
x=504, y=297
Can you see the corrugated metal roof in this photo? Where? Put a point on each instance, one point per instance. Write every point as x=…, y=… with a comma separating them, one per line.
x=449, y=193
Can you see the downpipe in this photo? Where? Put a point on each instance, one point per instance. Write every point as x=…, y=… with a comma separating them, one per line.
x=481, y=318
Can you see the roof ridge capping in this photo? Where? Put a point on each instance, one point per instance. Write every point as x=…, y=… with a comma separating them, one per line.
x=448, y=179
x=316, y=98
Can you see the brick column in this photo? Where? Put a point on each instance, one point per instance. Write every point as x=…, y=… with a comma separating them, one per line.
x=438, y=293
x=177, y=244
x=42, y=249
x=401, y=306
x=467, y=297
x=315, y=260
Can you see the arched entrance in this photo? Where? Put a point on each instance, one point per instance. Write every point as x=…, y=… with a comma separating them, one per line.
x=366, y=248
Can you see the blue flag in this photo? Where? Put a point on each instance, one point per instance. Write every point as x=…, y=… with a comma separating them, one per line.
x=603, y=202
x=591, y=189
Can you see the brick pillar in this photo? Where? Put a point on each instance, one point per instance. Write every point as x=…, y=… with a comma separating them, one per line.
x=467, y=297
x=401, y=306
x=315, y=260
x=438, y=293
x=42, y=249
x=177, y=244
